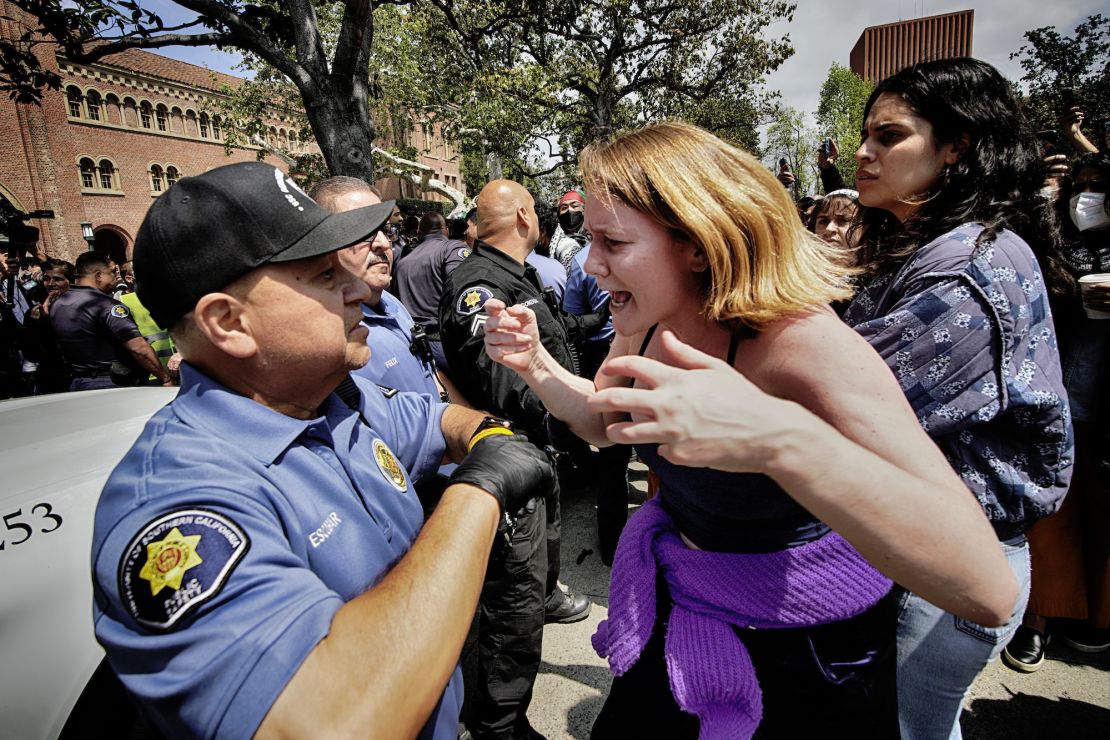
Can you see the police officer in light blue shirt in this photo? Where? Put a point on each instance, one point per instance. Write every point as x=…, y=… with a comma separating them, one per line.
x=401, y=355
x=260, y=565
x=398, y=359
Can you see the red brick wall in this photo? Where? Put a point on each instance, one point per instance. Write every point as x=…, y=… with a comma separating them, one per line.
x=40, y=147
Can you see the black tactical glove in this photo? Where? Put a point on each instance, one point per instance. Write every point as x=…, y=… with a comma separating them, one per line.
x=509, y=468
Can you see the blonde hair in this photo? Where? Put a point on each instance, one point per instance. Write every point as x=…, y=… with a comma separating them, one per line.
x=763, y=264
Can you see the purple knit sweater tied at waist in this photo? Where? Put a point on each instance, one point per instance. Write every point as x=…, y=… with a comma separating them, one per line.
x=711, y=674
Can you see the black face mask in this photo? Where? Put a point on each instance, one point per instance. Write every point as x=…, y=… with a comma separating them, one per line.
x=571, y=221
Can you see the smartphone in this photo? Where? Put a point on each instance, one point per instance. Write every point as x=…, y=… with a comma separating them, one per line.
x=826, y=146
x=1067, y=97
x=783, y=164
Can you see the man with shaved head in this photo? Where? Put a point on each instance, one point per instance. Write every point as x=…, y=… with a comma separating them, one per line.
x=521, y=590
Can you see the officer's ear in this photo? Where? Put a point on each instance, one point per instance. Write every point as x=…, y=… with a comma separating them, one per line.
x=221, y=319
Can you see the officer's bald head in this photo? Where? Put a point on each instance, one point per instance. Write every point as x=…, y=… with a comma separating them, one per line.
x=506, y=216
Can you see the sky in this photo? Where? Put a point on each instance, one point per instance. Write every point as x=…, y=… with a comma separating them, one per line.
x=824, y=31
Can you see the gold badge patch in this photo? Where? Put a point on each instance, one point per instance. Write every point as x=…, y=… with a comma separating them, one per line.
x=169, y=559
x=390, y=467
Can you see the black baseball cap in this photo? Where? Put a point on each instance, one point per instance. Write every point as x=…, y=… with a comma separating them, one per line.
x=207, y=231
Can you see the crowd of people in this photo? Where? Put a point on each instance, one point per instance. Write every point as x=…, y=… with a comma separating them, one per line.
x=877, y=420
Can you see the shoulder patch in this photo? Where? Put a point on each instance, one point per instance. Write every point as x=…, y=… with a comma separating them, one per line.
x=464, y=252
x=390, y=467
x=387, y=391
x=176, y=563
x=120, y=311
x=472, y=299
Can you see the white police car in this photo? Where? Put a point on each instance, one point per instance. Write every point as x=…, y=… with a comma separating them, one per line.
x=56, y=452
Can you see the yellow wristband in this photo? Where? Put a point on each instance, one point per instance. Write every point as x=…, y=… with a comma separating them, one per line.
x=488, y=432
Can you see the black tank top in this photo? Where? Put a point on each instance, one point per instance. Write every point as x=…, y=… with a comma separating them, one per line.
x=729, y=512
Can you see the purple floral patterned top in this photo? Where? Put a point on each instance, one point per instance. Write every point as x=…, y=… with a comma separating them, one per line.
x=968, y=333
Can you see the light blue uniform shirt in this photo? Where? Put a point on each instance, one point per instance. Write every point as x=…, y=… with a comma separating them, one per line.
x=583, y=296
x=392, y=362
x=230, y=534
x=552, y=273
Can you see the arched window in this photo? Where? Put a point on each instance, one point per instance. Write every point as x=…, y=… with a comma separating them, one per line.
x=129, y=115
x=92, y=104
x=73, y=96
x=88, y=174
x=107, y=175
x=203, y=125
x=113, y=111
x=171, y=176
x=215, y=127
x=160, y=117
x=145, y=113
x=157, y=184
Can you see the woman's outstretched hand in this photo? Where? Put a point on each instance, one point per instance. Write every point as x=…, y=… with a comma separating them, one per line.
x=701, y=411
x=512, y=336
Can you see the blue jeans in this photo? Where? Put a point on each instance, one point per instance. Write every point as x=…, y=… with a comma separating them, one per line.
x=940, y=655
x=92, y=384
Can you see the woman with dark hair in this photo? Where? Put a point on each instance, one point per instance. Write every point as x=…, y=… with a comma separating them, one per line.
x=832, y=221
x=960, y=254
x=753, y=594
x=1071, y=550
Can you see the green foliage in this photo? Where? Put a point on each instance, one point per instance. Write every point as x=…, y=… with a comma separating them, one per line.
x=789, y=135
x=520, y=87
x=418, y=207
x=530, y=84
x=840, y=114
x=1053, y=63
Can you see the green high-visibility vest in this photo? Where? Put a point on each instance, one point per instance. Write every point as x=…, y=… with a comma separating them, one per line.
x=157, y=337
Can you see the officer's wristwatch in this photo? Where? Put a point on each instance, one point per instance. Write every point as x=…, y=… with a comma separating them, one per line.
x=490, y=425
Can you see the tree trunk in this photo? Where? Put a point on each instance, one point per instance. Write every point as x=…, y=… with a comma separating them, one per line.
x=344, y=132
x=493, y=166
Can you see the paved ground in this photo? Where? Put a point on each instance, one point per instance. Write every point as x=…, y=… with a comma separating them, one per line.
x=1068, y=698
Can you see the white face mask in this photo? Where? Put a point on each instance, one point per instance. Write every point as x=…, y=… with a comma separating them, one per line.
x=1088, y=211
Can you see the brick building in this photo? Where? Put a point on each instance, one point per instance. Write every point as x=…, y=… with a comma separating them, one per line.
x=122, y=130
x=883, y=50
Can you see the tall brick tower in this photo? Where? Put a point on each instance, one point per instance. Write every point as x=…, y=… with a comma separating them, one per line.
x=883, y=50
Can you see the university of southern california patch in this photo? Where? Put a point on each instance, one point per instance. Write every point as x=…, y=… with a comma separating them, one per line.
x=178, y=562
x=471, y=299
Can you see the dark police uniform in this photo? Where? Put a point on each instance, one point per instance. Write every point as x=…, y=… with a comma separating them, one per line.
x=512, y=606
x=490, y=273
x=419, y=279
x=92, y=328
x=230, y=535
